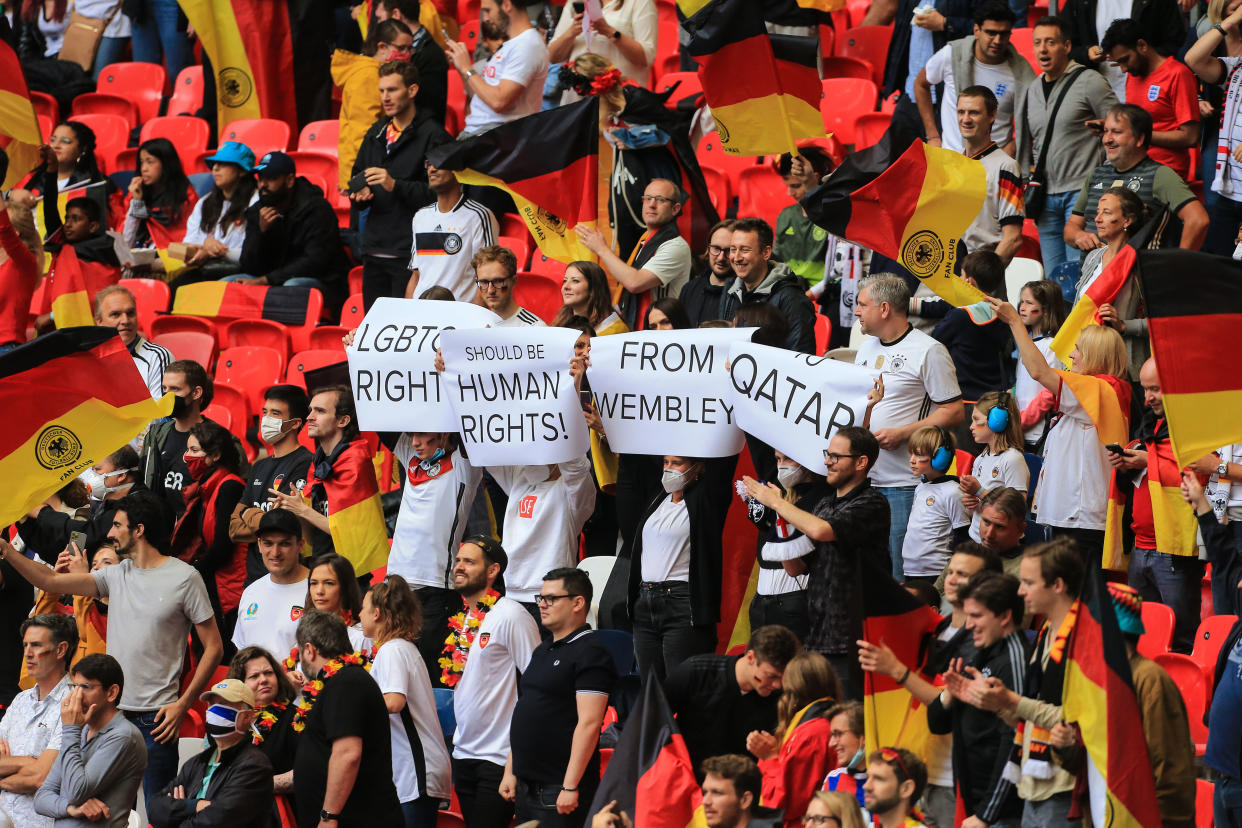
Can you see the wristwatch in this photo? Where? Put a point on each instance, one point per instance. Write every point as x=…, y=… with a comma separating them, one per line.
x=616, y=34
x=327, y=816
x=469, y=73
x=1223, y=468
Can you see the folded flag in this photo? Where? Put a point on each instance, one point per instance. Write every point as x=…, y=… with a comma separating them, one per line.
x=71, y=398
x=548, y=162
x=763, y=90
x=1104, y=290
x=909, y=201
x=1193, y=329
x=650, y=775
x=1099, y=696
x=234, y=300
x=355, y=516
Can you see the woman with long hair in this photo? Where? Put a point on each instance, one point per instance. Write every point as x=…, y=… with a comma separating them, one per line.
x=274, y=695
x=70, y=163
x=666, y=314
x=216, y=229
x=797, y=757
x=833, y=809
x=333, y=587
x=201, y=536
x=160, y=197
x=392, y=616
x=584, y=288
x=1119, y=216
x=1071, y=496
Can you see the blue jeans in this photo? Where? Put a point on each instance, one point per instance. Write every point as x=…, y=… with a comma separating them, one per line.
x=1227, y=803
x=161, y=758
x=111, y=50
x=296, y=281
x=1051, y=811
x=1174, y=581
x=1052, y=246
x=421, y=812
x=900, y=500
x=159, y=38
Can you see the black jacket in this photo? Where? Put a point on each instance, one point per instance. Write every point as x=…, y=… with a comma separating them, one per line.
x=1160, y=22
x=785, y=291
x=707, y=504
x=433, y=70
x=48, y=532
x=240, y=792
x=982, y=742
x=701, y=298
x=388, y=228
x=305, y=241
x=1226, y=560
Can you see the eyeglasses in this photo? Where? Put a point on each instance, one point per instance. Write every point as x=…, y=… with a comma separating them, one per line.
x=499, y=284
x=657, y=199
x=549, y=600
x=717, y=250
x=832, y=458
x=820, y=820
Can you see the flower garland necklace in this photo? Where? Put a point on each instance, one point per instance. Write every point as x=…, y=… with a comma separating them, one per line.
x=266, y=720
x=312, y=689
x=463, y=627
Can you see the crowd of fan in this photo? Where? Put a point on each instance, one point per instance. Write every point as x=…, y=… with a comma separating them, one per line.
x=328, y=715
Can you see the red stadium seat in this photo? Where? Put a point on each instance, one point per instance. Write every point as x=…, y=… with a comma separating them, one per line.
x=665, y=65
x=328, y=338
x=541, y=265
x=104, y=103
x=847, y=67
x=448, y=819
x=317, y=166
x=688, y=84
x=467, y=10
x=844, y=99
x=250, y=369
x=45, y=126
x=142, y=83
x=265, y=332
x=355, y=280
x=262, y=135
x=870, y=127
x=539, y=295
x=1209, y=639
x=195, y=345
x=234, y=401
x=299, y=335
x=1189, y=678
x=1158, y=620
x=718, y=189
x=192, y=725
x=46, y=105
x=187, y=96
x=111, y=136
x=823, y=331
x=520, y=245
x=857, y=10
x=219, y=414
x=320, y=136
x=511, y=224
x=468, y=32
x=1022, y=40
x=827, y=41
x=187, y=133
x=352, y=312
x=456, y=100
x=869, y=43
x=308, y=360
x=180, y=322
x=762, y=193
x=1205, y=792
x=151, y=296
x=711, y=154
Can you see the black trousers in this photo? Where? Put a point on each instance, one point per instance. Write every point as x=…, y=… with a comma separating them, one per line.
x=477, y=783
x=538, y=801
x=438, y=604
x=383, y=277
x=789, y=610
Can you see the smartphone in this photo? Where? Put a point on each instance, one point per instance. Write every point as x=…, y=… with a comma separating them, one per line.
x=358, y=182
x=1115, y=448
x=579, y=6
x=78, y=539
x=584, y=399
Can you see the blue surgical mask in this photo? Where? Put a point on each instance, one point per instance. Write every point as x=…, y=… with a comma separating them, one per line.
x=220, y=720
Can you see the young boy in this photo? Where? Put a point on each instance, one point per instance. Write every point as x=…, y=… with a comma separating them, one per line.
x=938, y=521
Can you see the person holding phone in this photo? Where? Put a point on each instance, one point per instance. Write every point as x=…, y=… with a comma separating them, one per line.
x=511, y=85
x=625, y=36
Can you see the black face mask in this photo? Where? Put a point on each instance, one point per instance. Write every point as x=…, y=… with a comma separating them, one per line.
x=181, y=406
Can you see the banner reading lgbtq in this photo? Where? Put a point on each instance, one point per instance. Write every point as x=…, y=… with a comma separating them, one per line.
x=796, y=402
x=666, y=392
x=513, y=395
x=392, y=363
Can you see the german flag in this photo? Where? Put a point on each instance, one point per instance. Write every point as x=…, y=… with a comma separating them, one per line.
x=548, y=162
x=650, y=774
x=233, y=300
x=893, y=616
x=1173, y=518
x=1103, y=291
x=1193, y=339
x=763, y=89
x=355, y=516
x=1107, y=402
x=71, y=398
x=910, y=202
x=71, y=301
x=1099, y=696
x=17, y=118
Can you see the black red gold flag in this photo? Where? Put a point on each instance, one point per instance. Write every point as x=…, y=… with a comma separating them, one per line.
x=238, y=301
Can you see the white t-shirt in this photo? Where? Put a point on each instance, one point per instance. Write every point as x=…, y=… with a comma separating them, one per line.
x=522, y=319
x=445, y=243
x=998, y=78
x=523, y=60
x=232, y=236
x=937, y=510
x=433, y=516
x=483, y=700
x=398, y=668
x=1106, y=12
x=1228, y=180
x=268, y=615
x=670, y=263
x=543, y=521
x=1073, y=483
x=1001, y=205
x=778, y=581
x=634, y=18
x=994, y=471
x=918, y=373
x=666, y=543
x=1026, y=389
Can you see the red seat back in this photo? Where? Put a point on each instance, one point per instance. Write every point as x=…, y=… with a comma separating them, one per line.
x=106, y=103
x=180, y=322
x=187, y=96
x=844, y=99
x=111, y=136
x=317, y=166
x=328, y=338
x=1189, y=678
x=762, y=193
x=251, y=369
x=711, y=154
x=687, y=84
x=1023, y=41
x=352, y=311
x=869, y=128
x=152, y=297
x=869, y=43
x=541, y=265
x=718, y=189
x=265, y=332
x=1210, y=637
x=823, y=330
x=262, y=135
x=539, y=295
x=233, y=401
x=308, y=360
x=1205, y=793
x=520, y=245
x=46, y=106
x=142, y=83
x=320, y=136
x=195, y=345
x=848, y=67
x=187, y=133
x=1158, y=620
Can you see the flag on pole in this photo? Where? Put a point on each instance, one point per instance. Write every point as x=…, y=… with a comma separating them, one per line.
x=71, y=301
x=17, y=118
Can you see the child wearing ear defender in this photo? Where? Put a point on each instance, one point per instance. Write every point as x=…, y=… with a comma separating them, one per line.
x=995, y=423
x=938, y=521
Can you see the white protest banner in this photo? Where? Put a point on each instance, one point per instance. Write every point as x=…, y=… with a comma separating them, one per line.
x=667, y=392
x=796, y=402
x=392, y=363
x=514, y=400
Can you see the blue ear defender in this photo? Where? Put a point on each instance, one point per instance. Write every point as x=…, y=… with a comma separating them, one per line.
x=998, y=415
x=943, y=457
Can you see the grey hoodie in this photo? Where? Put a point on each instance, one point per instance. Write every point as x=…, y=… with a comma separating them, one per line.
x=1076, y=151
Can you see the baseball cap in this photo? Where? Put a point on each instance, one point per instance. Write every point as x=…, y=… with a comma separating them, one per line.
x=275, y=164
x=231, y=690
x=279, y=520
x=233, y=152
x=494, y=551
x=1128, y=605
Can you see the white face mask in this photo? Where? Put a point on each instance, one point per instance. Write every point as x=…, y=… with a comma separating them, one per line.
x=97, y=482
x=673, y=480
x=271, y=429
x=790, y=476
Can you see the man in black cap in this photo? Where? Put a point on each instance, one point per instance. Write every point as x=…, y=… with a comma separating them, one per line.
x=292, y=237
x=269, y=610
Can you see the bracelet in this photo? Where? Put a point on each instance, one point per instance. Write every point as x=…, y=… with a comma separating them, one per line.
x=904, y=676
x=1220, y=29
x=574, y=789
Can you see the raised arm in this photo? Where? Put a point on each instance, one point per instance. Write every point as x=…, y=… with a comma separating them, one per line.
x=1032, y=359
x=66, y=583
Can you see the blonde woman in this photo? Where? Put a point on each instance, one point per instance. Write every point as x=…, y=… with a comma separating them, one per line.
x=832, y=809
